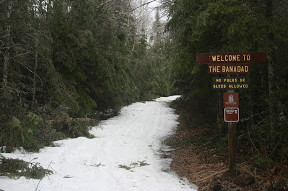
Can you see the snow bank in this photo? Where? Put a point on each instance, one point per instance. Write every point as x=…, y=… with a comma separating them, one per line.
x=124, y=156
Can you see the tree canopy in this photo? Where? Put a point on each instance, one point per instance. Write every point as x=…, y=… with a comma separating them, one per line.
x=64, y=60
x=205, y=26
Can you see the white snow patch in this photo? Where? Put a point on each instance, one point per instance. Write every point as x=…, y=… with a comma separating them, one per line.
x=167, y=99
x=124, y=156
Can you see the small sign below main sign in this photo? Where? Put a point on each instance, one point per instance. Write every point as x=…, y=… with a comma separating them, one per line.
x=231, y=99
x=231, y=114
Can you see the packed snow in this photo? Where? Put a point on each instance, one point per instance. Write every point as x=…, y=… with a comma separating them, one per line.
x=124, y=155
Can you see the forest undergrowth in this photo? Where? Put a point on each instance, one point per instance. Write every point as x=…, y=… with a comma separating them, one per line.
x=201, y=155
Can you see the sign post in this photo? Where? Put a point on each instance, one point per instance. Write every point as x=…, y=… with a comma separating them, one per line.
x=230, y=63
x=232, y=145
x=231, y=126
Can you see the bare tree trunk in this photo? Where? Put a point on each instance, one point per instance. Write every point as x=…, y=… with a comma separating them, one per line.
x=271, y=59
x=5, y=68
x=35, y=74
x=6, y=51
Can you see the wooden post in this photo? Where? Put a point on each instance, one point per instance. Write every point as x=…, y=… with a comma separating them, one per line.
x=215, y=61
x=232, y=143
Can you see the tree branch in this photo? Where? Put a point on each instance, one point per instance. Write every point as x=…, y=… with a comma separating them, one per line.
x=104, y=3
x=30, y=71
x=142, y=5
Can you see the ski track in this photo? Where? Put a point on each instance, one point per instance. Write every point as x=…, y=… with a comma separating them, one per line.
x=83, y=164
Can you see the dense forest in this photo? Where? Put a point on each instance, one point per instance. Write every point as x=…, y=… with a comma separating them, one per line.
x=204, y=26
x=65, y=64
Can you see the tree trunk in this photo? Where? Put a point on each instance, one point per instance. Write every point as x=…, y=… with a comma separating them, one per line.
x=5, y=68
x=271, y=58
x=35, y=74
x=6, y=51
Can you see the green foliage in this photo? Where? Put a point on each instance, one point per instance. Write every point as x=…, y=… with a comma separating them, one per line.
x=234, y=26
x=263, y=163
x=72, y=127
x=23, y=133
x=222, y=144
x=71, y=57
x=16, y=168
x=153, y=69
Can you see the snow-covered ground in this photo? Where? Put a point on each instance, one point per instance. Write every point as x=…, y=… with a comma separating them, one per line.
x=124, y=156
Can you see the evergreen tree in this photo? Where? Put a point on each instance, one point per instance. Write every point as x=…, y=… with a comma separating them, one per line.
x=234, y=26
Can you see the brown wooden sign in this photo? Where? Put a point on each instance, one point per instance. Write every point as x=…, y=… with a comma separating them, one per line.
x=240, y=57
x=231, y=114
x=228, y=68
x=231, y=99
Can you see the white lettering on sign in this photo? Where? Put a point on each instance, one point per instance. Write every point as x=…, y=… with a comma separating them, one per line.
x=231, y=114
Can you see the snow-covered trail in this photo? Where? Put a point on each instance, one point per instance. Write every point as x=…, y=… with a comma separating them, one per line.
x=124, y=156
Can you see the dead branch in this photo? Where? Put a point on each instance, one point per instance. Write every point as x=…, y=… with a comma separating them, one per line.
x=269, y=173
x=142, y=5
x=212, y=175
x=282, y=163
x=104, y=3
x=22, y=54
x=252, y=143
x=30, y=71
